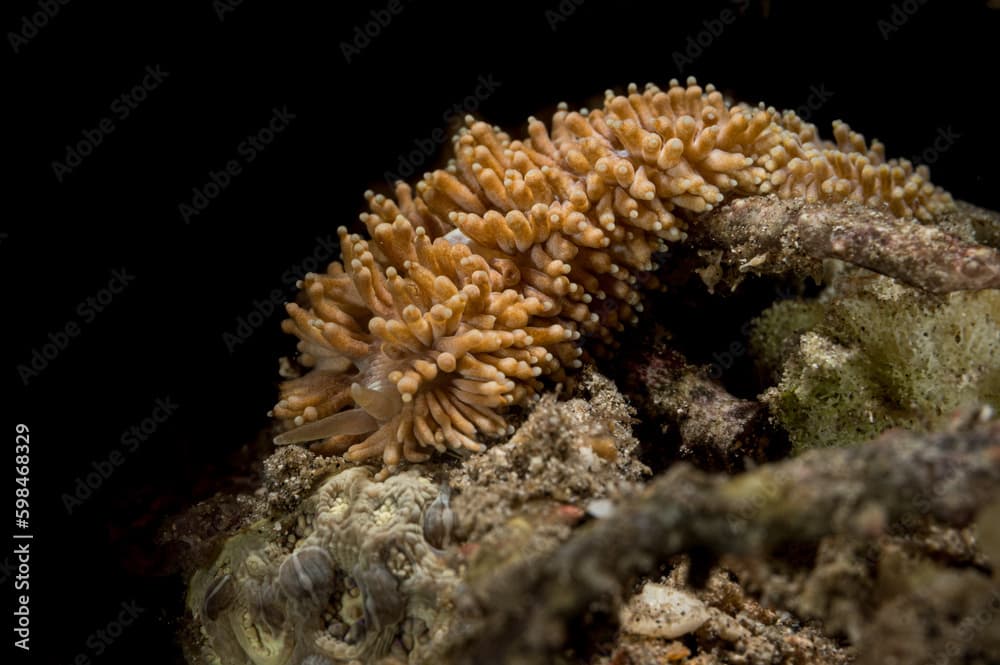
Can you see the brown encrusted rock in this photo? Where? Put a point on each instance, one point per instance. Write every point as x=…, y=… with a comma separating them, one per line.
x=716, y=430
x=569, y=452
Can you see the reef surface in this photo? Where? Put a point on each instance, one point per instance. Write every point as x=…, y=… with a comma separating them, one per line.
x=814, y=480
x=845, y=513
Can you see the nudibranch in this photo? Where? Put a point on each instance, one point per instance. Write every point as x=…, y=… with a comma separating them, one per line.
x=482, y=280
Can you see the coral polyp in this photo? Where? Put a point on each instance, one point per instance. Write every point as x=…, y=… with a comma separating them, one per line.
x=482, y=279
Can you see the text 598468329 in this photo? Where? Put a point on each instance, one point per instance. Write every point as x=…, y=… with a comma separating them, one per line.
x=22, y=536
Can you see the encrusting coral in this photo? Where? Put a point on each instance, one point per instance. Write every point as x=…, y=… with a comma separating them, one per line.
x=339, y=579
x=481, y=279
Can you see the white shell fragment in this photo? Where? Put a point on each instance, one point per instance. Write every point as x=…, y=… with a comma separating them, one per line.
x=661, y=611
x=601, y=508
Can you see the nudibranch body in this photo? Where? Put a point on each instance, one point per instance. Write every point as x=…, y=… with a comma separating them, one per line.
x=479, y=282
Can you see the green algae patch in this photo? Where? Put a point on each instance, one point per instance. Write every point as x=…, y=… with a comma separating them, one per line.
x=871, y=354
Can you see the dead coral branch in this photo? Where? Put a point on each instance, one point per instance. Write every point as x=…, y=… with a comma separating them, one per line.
x=766, y=235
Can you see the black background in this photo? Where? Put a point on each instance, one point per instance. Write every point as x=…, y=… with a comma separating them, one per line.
x=163, y=336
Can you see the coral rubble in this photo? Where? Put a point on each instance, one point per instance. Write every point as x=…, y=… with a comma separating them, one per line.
x=360, y=571
x=509, y=565
x=862, y=492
